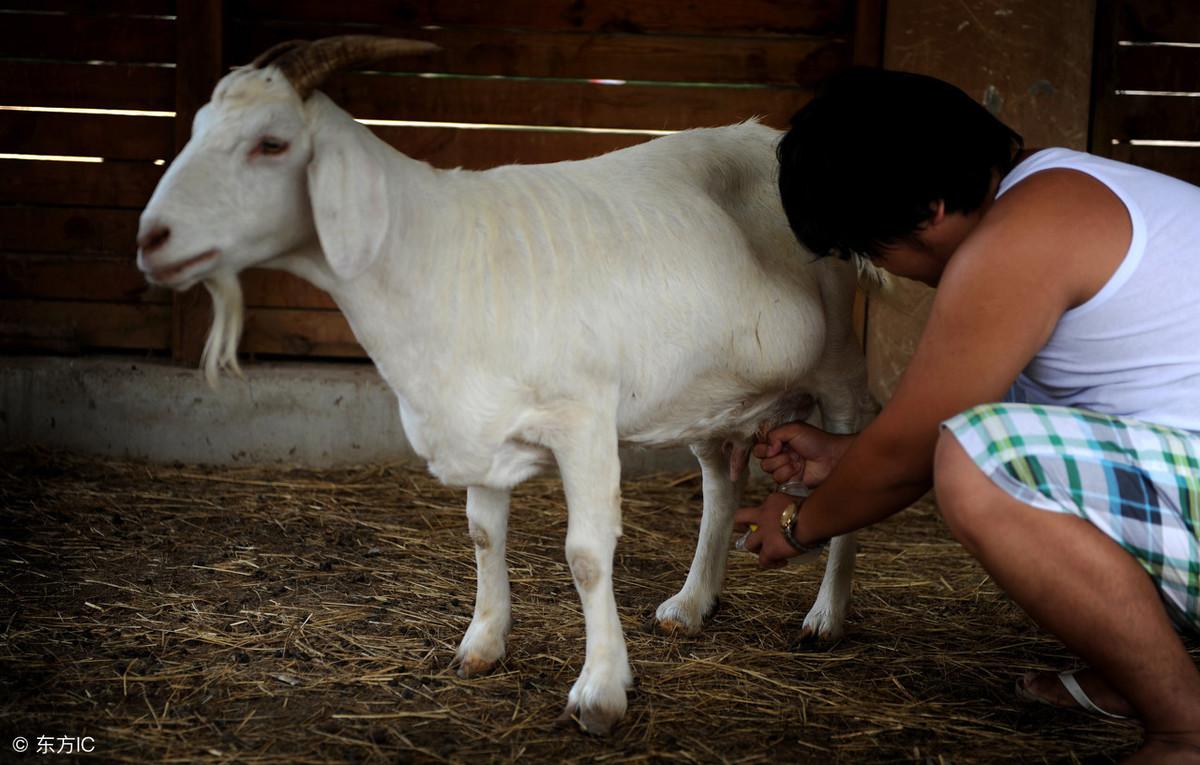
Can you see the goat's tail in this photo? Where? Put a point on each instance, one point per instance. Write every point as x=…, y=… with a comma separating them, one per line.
x=220, y=350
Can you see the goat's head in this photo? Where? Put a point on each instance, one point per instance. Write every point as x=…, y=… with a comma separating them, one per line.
x=252, y=182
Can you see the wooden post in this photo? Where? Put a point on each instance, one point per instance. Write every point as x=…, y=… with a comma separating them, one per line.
x=867, y=50
x=868, y=32
x=199, y=63
x=1102, y=119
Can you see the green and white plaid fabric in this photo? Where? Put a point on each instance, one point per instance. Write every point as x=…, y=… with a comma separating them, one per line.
x=1137, y=482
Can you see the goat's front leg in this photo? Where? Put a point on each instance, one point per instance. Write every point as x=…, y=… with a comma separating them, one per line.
x=483, y=644
x=591, y=473
x=685, y=612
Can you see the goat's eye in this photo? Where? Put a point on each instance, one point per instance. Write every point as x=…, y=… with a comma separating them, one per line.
x=270, y=146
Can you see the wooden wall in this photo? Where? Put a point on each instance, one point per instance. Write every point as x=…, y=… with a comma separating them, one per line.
x=551, y=80
x=67, y=280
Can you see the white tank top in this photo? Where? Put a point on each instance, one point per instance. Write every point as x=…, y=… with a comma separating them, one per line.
x=1133, y=349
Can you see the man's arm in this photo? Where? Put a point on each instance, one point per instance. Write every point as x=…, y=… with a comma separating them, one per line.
x=1048, y=245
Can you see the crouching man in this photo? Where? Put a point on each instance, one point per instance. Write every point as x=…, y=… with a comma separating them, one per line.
x=1053, y=401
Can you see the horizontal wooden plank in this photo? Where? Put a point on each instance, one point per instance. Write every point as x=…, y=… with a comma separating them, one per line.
x=121, y=184
x=1179, y=162
x=276, y=331
x=92, y=8
x=75, y=277
x=672, y=58
x=77, y=85
x=566, y=104
x=1145, y=67
x=90, y=135
x=628, y=16
x=263, y=288
x=116, y=279
x=1157, y=21
x=68, y=230
x=70, y=326
x=82, y=184
x=286, y=332
x=1175, y=118
x=78, y=37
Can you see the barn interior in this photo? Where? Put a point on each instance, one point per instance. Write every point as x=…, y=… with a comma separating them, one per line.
x=263, y=572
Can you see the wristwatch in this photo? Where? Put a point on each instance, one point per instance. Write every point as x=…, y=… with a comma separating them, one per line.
x=787, y=523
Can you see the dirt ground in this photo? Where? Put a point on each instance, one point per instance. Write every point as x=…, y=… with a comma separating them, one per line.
x=180, y=614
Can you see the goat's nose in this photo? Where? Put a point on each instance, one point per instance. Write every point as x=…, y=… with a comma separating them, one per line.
x=153, y=238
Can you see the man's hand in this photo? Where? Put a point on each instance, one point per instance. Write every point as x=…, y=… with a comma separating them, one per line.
x=767, y=542
x=800, y=451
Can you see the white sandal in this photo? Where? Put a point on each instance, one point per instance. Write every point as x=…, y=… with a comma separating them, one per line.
x=1072, y=685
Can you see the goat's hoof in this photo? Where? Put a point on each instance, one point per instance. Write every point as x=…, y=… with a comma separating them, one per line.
x=680, y=628
x=481, y=648
x=474, y=666
x=594, y=720
x=679, y=616
x=673, y=628
x=597, y=700
x=821, y=628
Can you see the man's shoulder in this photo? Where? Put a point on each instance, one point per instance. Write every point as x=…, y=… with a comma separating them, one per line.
x=1061, y=223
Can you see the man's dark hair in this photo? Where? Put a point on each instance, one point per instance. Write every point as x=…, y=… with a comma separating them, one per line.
x=866, y=160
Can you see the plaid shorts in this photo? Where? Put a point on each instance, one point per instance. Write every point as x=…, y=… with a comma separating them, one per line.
x=1137, y=482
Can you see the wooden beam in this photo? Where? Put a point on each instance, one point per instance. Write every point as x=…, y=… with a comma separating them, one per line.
x=732, y=19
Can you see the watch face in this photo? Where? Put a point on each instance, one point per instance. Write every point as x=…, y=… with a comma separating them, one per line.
x=789, y=512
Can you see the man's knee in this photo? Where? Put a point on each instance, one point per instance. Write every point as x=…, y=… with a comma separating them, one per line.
x=957, y=483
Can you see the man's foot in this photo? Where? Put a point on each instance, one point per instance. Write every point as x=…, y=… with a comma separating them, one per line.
x=1048, y=688
x=1166, y=749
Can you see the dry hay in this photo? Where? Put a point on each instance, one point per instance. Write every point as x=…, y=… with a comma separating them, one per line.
x=182, y=614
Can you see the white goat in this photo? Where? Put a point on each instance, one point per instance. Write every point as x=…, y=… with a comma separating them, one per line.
x=652, y=296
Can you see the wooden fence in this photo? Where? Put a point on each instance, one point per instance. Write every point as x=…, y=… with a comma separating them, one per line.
x=112, y=87
x=1146, y=85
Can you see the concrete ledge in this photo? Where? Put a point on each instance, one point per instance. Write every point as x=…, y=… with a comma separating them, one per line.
x=301, y=413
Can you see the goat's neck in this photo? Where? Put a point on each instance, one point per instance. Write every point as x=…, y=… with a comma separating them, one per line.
x=389, y=304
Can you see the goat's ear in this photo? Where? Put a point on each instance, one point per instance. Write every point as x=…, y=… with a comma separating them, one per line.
x=349, y=195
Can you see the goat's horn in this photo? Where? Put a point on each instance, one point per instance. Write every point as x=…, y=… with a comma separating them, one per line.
x=307, y=65
x=275, y=51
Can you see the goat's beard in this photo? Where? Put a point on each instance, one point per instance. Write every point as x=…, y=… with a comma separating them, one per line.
x=220, y=350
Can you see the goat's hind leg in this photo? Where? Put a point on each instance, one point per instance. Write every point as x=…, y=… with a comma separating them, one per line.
x=845, y=411
x=827, y=618
x=685, y=611
x=483, y=644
